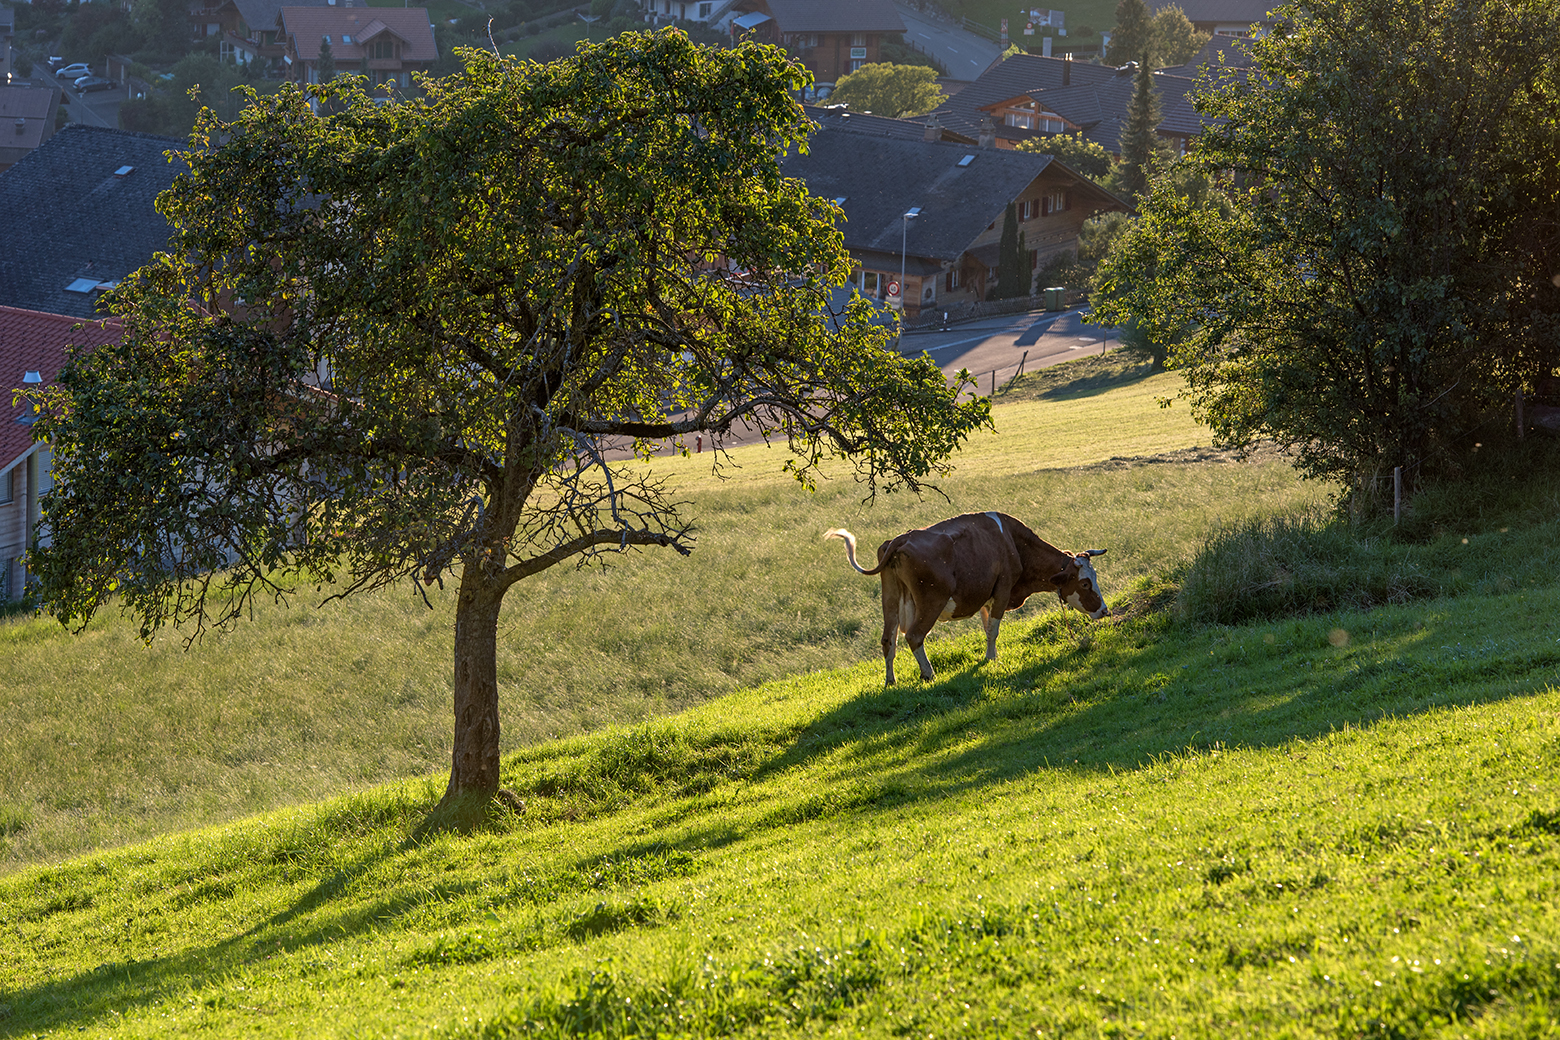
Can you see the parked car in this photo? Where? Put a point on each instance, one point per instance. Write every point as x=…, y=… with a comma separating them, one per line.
x=75, y=72
x=55, y=62
x=87, y=84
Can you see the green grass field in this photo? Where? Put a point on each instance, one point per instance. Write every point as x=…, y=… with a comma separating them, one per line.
x=104, y=741
x=1337, y=824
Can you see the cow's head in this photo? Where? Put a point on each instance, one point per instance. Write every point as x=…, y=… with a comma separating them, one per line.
x=1078, y=586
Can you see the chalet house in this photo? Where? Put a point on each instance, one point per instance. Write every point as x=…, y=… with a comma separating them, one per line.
x=839, y=117
x=26, y=120
x=1225, y=17
x=931, y=212
x=386, y=44
x=84, y=205
x=257, y=38
x=214, y=19
x=831, y=37
x=1029, y=97
x=658, y=12
x=32, y=350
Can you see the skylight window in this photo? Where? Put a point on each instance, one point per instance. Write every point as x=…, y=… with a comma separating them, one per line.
x=839, y=200
x=124, y=171
x=966, y=160
x=346, y=37
x=82, y=285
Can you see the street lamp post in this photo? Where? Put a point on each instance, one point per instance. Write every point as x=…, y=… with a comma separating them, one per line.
x=904, y=237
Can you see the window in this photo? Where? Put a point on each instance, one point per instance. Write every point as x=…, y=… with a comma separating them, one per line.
x=1050, y=125
x=856, y=64
x=386, y=49
x=326, y=39
x=1026, y=209
x=346, y=38
x=1054, y=202
x=8, y=485
x=704, y=10
x=858, y=40
x=1020, y=121
x=953, y=278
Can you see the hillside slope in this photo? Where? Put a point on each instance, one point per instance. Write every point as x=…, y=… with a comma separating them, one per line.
x=104, y=741
x=1345, y=825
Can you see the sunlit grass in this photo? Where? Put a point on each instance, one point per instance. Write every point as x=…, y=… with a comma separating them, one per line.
x=103, y=740
x=1339, y=825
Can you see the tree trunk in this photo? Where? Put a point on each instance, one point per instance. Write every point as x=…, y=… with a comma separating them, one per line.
x=474, y=769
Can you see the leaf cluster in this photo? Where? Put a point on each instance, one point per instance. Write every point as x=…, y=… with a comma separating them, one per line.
x=407, y=339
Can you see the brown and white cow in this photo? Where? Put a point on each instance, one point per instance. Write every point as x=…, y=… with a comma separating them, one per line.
x=986, y=562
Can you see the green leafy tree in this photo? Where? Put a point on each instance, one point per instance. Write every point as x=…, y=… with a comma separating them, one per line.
x=896, y=91
x=1012, y=273
x=164, y=26
x=1380, y=276
x=451, y=312
x=1172, y=39
x=1074, y=152
x=1129, y=39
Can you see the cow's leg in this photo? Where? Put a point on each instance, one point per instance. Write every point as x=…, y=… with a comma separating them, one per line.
x=891, y=597
x=916, y=632
x=991, y=622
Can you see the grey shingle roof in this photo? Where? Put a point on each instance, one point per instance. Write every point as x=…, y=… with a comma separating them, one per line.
x=71, y=218
x=841, y=118
x=880, y=178
x=816, y=16
x=1012, y=78
x=260, y=15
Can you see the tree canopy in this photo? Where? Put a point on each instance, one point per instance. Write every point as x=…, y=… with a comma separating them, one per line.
x=1374, y=271
x=1075, y=152
x=896, y=91
x=397, y=343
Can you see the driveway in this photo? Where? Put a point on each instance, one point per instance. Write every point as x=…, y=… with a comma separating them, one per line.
x=99, y=108
x=993, y=349
x=962, y=53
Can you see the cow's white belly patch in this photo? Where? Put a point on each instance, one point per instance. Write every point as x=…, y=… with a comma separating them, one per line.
x=947, y=611
x=906, y=613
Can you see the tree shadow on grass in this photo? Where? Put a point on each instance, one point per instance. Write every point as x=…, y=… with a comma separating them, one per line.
x=315, y=918
x=1076, y=380
x=1126, y=703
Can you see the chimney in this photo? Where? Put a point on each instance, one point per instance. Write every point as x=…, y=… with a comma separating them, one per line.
x=933, y=130
x=21, y=125
x=988, y=133
x=1067, y=69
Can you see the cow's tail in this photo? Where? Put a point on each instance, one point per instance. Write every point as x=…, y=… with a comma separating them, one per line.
x=850, y=549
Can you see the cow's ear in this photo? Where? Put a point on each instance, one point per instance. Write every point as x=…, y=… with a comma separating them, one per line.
x=1059, y=578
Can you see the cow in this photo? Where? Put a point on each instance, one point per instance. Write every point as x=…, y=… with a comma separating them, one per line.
x=986, y=562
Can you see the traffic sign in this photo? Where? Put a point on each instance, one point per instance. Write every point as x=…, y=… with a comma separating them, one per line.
x=893, y=288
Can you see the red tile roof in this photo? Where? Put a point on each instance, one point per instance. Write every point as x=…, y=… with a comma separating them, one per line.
x=31, y=341
x=308, y=25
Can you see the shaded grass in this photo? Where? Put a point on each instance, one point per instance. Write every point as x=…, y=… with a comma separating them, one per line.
x=1494, y=531
x=104, y=741
x=1133, y=828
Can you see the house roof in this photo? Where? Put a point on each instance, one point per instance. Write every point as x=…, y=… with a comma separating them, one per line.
x=1234, y=52
x=881, y=178
x=1020, y=74
x=309, y=25
x=839, y=117
x=75, y=222
x=34, y=108
x=261, y=15
x=836, y=16
x=31, y=341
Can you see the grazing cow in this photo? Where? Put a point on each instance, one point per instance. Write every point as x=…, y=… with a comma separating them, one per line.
x=987, y=562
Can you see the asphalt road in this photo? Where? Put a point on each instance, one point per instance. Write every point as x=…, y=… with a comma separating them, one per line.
x=99, y=108
x=1035, y=339
x=962, y=53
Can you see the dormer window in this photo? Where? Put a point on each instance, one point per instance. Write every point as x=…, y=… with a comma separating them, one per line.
x=346, y=38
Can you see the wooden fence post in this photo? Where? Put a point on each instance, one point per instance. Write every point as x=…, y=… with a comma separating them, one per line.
x=1397, y=494
x=1520, y=423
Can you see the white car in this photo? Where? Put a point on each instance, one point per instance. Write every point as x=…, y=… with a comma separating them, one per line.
x=71, y=73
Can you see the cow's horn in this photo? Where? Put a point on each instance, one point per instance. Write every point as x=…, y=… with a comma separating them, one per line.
x=1094, y=552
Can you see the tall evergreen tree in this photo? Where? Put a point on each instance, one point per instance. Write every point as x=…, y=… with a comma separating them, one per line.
x=1010, y=258
x=1129, y=40
x=1139, y=138
x=327, y=63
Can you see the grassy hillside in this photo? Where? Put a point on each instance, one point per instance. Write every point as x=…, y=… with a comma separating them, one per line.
x=103, y=740
x=1342, y=826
